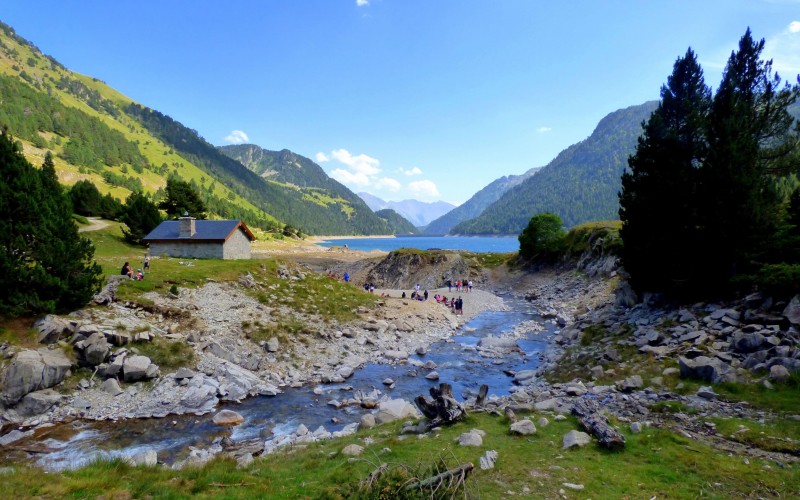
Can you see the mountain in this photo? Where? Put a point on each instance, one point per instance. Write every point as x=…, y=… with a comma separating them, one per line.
x=343, y=209
x=579, y=185
x=420, y=213
x=478, y=203
x=121, y=146
x=397, y=223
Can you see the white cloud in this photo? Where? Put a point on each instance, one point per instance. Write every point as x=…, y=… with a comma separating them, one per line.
x=784, y=50
x=544, y=130
x=237, y=137
x=412, y=171
x=322, y=157
x=424, y=188
x=361, y=163
x=362, y=3
x=388, y=184
x=351, y=178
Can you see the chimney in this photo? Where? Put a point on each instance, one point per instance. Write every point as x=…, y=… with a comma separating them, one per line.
x=186, y=226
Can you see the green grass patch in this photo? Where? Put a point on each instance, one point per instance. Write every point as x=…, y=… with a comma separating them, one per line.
x=782, y=398
x=168, y=354
x=493, y=260
x=779, y=435
x=656, y=463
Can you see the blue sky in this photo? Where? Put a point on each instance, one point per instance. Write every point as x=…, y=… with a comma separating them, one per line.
x=429, y=100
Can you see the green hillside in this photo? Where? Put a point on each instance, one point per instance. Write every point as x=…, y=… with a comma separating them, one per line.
x=339, y=207
x=397, y=223
x=479, y=202
x=100, y=135
x=579, y=185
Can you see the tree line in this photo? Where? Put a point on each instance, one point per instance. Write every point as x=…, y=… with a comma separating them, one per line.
x=704, y=205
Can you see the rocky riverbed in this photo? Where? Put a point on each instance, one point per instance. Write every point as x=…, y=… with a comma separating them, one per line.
x=752, y=339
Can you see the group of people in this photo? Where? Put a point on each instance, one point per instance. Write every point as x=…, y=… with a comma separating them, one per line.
x=459, y=285
x=127, y=270
x=455, y=304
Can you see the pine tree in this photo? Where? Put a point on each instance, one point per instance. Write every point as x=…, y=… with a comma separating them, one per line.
x=182, y=198
x=86, y=199
x=750, y=137
x=657, y=202
x=45, y=265
x=141, y=216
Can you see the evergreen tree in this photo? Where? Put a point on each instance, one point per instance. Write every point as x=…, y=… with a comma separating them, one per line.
x=110, y=207
x=86, y=199
x=750, y=136
x=141, y=216
x=182, y=198
x=657, y=202
x=45, y=265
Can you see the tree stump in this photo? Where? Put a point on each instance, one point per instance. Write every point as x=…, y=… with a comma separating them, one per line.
x=588, y=413
x=442, y=409
x=482, y=395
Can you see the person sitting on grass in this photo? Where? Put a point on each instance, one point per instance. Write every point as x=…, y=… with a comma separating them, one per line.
x=126, y=270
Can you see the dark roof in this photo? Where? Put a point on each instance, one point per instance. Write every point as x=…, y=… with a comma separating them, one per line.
x=205, y=230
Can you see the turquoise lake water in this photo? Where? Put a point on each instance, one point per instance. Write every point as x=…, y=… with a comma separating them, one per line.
x=471, y=243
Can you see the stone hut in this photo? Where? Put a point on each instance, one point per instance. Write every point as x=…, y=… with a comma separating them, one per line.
x=201, y=239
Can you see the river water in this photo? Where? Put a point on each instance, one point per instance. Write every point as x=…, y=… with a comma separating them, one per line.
x=75, y=444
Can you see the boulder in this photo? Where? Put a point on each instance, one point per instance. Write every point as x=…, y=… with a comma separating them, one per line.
x=135, y=368
x=227, y=417
x=432, y=376
x=779, y=373
x=51, y=328
x=95, y=349
x=704, y=368
x=38, y=402
x=470, y=438
x=353, y=450
x=575, y=438
x=111, y=386
x=147, y=458
x=523, y=427
x=345, y=371
x=273, y=344
x=521, y=377
x=14, y=436
x=395, y=409
x=183, y=373
x=367, y=421
x=792, y=311
x=498, y=343
x=746, y=342
x=631, y=383
x=200, y=399
x=32, y=370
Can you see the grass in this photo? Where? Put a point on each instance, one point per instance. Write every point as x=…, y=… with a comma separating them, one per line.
x=780, y=435
x=656, y=463
x=168, y=354
x=492, y=260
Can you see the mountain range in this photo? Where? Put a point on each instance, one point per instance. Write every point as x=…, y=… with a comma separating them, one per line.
x=579, y=185
x=419, y=213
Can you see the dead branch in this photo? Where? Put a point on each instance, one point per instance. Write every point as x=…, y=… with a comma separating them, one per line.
x=452, y=476
x=588, y=413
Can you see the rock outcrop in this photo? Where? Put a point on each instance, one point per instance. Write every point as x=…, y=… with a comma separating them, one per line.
x=33, y=370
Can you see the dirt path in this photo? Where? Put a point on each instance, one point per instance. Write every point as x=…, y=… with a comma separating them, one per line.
x=95, y=223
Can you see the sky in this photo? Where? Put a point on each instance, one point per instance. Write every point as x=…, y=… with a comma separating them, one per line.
x=403, y=99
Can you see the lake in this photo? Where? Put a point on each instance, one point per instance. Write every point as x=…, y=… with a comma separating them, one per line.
x=471, y=243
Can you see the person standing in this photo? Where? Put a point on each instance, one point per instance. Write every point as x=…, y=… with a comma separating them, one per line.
x=146, y=265
x=469, y=285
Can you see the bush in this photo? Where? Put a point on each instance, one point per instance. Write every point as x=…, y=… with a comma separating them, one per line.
x=543, y=238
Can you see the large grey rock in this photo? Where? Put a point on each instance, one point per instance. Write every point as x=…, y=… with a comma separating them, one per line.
x=523, y=427
x=95, y=349
x=14, y=436
x=792, y=311
x=135, y=368
x=779, y=373
x=746, y=342
x=704, y=368
x=470, y=438
x=111, y=386
x=345, y=371
x=147, y=458
x=273, y=344
x=395, y=409
x=498, y=343
x=576, y=438
x=632, y=383
x=201, y=398
x=51, y=328
x=38, y=402
x=521, y=377
x=32, y=370
x=353, y=450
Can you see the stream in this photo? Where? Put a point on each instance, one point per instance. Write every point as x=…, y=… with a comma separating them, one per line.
x=68, y=446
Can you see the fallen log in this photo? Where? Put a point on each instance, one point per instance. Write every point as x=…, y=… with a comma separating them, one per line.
x=454, y=477
x=588, y=413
